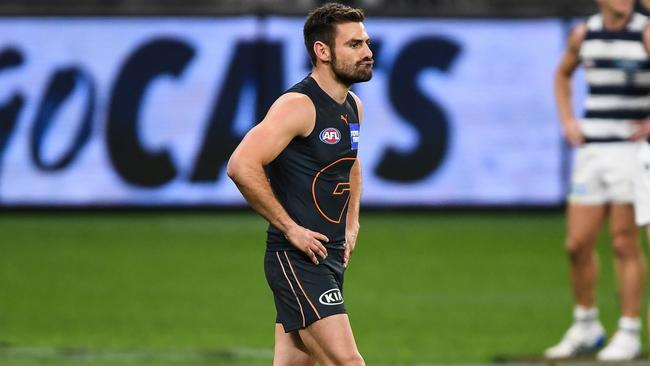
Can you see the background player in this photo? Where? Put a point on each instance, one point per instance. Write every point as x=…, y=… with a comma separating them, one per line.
x=613, y=51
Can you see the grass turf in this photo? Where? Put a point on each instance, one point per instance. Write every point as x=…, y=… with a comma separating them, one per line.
x=159, y=289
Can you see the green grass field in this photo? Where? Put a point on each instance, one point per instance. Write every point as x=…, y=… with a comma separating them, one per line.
x=189, y=289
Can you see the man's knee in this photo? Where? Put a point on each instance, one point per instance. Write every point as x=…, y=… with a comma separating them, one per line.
x=352, y=359
x=625, y=242
x=290, y=350
x=292, y=358
x=579, y=249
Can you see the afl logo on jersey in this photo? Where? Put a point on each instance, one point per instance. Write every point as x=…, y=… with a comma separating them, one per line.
x=330, y=136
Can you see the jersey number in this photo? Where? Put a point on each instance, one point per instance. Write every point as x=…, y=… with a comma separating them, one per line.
x=332, y=203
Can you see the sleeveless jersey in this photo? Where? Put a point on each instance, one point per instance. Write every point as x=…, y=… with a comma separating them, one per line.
x=618, y=75
x=311, y=176
x=640, y=8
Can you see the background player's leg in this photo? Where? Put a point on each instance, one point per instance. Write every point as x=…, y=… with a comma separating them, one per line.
x=647, y=230
x=331, y=341
x=290, y=350
x=583, y=225
x=642, y=196
x=630, y=260
x=630, y=268
x=586, y=334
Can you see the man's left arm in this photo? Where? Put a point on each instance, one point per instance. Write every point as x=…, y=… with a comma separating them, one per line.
x=352, y=221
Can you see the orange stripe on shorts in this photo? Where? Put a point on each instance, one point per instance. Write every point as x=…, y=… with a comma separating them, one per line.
x=300, y=285
x=292, y=290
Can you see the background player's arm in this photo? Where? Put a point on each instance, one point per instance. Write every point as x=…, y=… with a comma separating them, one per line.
x=642, y=130
x=291, y=115
x=568, y=64
x=352, y=222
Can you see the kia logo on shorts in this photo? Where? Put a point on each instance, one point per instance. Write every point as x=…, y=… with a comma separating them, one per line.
x=330, y=136
x=331, y=297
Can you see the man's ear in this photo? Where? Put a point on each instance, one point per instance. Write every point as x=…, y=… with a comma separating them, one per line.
x=322, y=51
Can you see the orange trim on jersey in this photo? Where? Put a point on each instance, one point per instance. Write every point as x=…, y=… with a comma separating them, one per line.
x=344, y=206
x=345, y=188
x=313, y=192
x=300, y=285
x=345, y=119
x=292, y=290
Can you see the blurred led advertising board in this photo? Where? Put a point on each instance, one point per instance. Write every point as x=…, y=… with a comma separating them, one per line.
x=146, y=111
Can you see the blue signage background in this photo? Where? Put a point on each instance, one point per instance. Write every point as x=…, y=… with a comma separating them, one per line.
x=145, y=111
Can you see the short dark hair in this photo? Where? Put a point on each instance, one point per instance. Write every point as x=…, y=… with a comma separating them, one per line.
x=321, y=24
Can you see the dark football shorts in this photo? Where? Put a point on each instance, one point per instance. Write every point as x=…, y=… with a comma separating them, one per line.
x=305, y=292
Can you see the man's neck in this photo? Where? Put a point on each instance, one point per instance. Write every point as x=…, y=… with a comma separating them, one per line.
x=615, y=21
x=327, y=81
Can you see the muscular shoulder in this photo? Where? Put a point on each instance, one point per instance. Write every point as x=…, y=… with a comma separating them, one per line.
x=578, y=34
x=294, y=111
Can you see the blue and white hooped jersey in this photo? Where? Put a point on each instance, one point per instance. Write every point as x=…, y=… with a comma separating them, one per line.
x=617, y=70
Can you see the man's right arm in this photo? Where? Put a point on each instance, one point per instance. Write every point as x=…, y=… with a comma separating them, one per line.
x=290, y=116
x=569, y=62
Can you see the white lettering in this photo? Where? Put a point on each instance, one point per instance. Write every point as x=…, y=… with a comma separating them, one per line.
x=331, y=297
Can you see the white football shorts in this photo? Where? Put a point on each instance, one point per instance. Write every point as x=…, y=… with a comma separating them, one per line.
x=604, y=173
